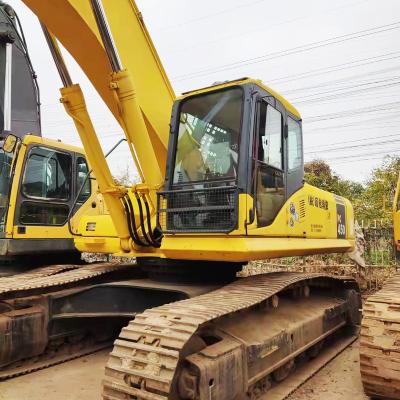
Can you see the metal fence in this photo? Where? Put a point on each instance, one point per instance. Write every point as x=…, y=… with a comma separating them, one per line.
x=379, y=256
x=379, y=245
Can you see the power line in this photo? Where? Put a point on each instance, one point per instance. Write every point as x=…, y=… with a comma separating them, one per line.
x=366, y=159
x=335, y=68
x=348, y=79
x=354, y=112
x=348, y=93
x=294, y=50
x=357, y=123
x=207, y=16
x=359, y=85
x=264, y=27
x=354, y=156
x=355, y=141
x=361, y=159
x=379, y=144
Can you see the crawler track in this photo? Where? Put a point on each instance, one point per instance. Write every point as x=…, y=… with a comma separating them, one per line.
x=23, y=296
x=53, y=276
x=157, y=355
x=48, y=360
x=380, y=342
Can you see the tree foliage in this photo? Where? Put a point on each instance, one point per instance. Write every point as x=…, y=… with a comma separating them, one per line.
x=377, y=198
x=373, y=200
x=318, y=173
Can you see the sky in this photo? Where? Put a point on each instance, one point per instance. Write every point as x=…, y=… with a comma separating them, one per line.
x=337, y=62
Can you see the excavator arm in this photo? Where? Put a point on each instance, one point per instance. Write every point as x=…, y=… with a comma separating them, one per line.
x=78, y=26
x=74, y=25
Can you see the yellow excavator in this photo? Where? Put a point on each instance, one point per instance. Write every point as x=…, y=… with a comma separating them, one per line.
x=380, y=332
x=40, y=178
x=222, y=184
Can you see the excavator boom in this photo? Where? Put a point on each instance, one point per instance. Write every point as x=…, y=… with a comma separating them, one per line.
x=74, y=25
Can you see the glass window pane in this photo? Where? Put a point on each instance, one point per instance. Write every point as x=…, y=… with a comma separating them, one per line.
x=5, y=182
x=47, y=174
x=82, y=170
x=270, y=145
x=270, y=194
x=208, y=146
x=294, y=144
x=35, y=213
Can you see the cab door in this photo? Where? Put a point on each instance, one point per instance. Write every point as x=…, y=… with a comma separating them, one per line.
x=268, y=153
x=49, y=185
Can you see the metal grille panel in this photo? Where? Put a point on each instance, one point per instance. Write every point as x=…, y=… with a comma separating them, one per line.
x=212, y=209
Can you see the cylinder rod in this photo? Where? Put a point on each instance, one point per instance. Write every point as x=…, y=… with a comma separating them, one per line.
x=57, y=57
x=106, y=35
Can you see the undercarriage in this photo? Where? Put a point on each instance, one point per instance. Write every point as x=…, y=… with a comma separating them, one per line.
x=188, y=338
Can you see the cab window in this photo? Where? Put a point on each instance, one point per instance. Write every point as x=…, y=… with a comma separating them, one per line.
x=270, y=138
x=82, y=171
x=47, y=174
x=270, y=190
x=39, y=213
x=294, y=145
x=208, y=137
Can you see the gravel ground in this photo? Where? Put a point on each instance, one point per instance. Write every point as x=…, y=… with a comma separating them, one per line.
x=81, y=380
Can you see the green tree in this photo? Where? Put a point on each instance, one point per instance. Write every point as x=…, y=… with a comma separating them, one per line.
x=376, y=200
x=318, y=173
x=370, y=201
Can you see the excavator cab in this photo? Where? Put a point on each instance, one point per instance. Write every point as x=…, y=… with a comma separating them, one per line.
x=232, y=147
x=39, y=185
x=235, y=169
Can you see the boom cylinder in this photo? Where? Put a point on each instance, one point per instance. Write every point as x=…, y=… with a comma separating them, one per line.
x=75, y=106
x=134, y=124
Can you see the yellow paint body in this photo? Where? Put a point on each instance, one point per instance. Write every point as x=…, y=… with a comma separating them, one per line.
x=396, y=217
x=314, y=233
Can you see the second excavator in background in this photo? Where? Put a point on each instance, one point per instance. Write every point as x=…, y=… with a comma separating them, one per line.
x=380, y=331
x=39, y=178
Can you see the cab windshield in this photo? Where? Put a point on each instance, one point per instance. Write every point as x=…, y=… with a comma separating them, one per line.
x=5, y=182
x=208, y=138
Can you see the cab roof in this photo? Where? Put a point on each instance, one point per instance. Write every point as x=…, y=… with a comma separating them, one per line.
x=244, y=81
x=33, y=139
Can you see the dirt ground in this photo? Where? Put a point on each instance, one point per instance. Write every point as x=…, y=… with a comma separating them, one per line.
x=338, y=380
x=81, y=380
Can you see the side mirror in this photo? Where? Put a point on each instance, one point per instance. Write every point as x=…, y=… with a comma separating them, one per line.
x=9, y=143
